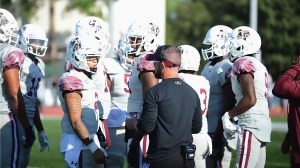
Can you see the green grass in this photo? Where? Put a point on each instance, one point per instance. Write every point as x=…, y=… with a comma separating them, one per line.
x=279, y=119
x=45, y=159
x=275, y=159
x=53, y=159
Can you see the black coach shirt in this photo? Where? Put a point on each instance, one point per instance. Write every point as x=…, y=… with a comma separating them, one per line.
x=171, y=113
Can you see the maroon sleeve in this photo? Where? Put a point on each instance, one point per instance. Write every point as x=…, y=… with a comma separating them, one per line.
x=15, y=59
x=287, y=85
x=243, y=66
x=69, y=84
x=146, y=64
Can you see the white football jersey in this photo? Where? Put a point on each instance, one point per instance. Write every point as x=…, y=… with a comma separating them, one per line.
x=119, y=76
x=256, y=119
x=103, y=93
x=202, y=87
x=135, y=100
x=217, y=75
x=79, y=82
x=10, y=56
x=31, y=75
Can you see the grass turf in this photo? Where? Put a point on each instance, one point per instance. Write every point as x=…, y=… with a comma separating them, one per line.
x=53, y=159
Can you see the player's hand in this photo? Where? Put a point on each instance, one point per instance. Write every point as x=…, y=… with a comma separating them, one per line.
x=44, y=143
x=229, y=135
x=131, y=123
x=228, y=126
x=99, y=157
x=29, y=137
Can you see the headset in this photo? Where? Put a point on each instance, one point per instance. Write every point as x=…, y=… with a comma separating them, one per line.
x=160, y=57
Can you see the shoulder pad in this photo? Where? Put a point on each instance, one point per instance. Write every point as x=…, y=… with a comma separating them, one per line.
x=243, y=65
x=146, y=63
x=14, y=59
x=70, y=83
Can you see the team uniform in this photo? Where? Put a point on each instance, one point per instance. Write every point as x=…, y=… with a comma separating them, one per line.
x=100, y=78
x=144, y=63
x=30, y=76
x=119, y=76
x=74, y=150
x=104, y=98
x=103, y=95
x=201, y=140
x=218, y=75
x=255, y=123
x=11, y=57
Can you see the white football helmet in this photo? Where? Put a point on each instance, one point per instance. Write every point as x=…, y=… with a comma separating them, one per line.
x=8, y=28
x=33, y=40
x=190, y=58
x=217, y=38
x=141, y=36
x=94, y=26
x=244, y=41
x=81, y=47
x=124, y=48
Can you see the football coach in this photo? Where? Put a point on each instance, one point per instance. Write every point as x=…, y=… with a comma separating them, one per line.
x=171, y=114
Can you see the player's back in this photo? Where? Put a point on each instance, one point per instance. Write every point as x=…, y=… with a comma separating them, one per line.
x=119, y=75
x=31, y=75
x=201, y=85
x=100, y=78
x=217, y=75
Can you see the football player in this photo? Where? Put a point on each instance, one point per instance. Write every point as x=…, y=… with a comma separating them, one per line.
x=190, y=62
x=249, y=84
x=217, y=72
x=141, y=37
x=94, y=26
x=12, y=112
x=118, y=73
x=78, y=96
x=33, y=42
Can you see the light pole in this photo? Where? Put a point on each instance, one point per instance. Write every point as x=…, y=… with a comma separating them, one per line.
x=253, y=22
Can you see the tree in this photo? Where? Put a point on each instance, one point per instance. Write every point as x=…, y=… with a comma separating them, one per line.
x=278, y=24
x=279, y=27
x=90, y=7
x=24, y=9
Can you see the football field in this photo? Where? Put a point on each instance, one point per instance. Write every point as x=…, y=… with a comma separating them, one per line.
x=54, y=159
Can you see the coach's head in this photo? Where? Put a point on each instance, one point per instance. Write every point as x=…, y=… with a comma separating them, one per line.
x=167, y=61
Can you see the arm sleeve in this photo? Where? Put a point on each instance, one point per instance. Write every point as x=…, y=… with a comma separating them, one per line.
x=197, y=119
x=288, y=85
x=14, y=59
x=243, y=66
x=146, y=64
x=148, y=118
x=70, y=84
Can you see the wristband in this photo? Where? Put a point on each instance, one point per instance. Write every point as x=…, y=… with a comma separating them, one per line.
x=87, y=141
x=93, y=147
